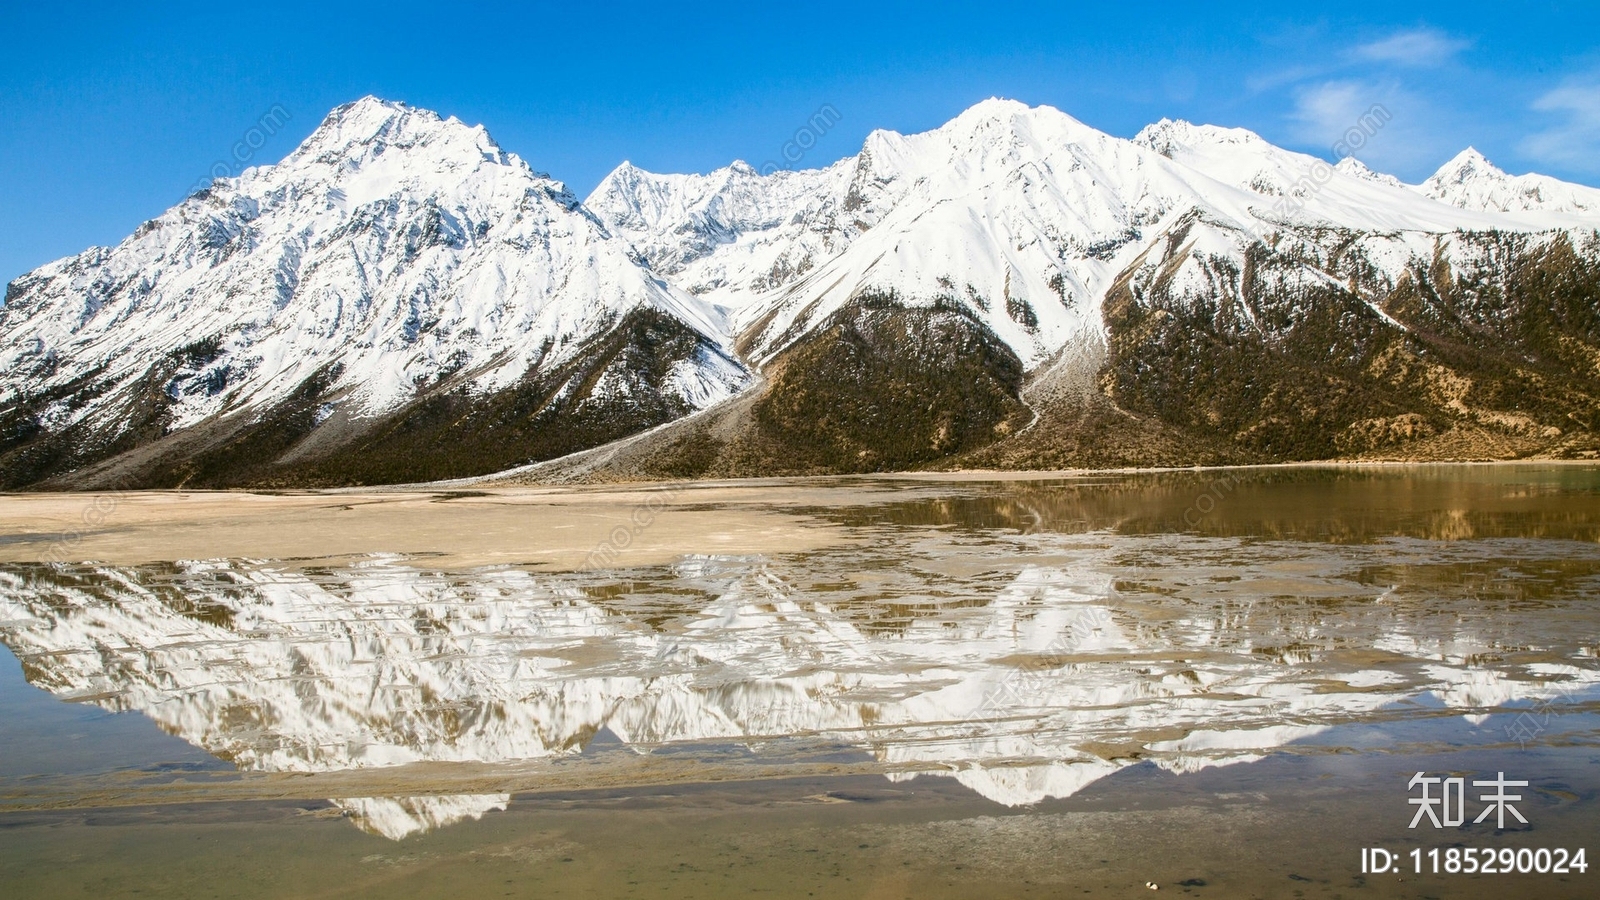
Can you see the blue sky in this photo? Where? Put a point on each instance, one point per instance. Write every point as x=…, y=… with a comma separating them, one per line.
x=112, y=114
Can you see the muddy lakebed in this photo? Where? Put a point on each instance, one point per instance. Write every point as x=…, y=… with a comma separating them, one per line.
x=1221, y=683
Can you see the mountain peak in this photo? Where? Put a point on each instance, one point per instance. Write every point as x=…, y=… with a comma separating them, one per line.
x=996, y=110
x=997, y=106
x=1169, y=137
x=1468, y=165
x=625, y=173
x=370, y=118
x=1358, y=169
x=1165, y=137
x=1471, y=181
x=371, y=106
x=367, y=128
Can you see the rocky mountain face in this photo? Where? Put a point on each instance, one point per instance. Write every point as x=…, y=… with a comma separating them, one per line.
x=401, y=300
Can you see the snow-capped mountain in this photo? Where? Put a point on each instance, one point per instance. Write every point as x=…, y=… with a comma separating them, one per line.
x=402, y=300
x=392, y=254
x=1012, y=214
x=1470, y=181
x=1023, y=216
x=733, y=233
x=1019, y=230
x=1299, y=189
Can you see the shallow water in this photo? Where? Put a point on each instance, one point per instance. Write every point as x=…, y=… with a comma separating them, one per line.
x=952, y=687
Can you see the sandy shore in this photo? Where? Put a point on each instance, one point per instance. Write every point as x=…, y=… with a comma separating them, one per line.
x=561, y=528
x=458, y=526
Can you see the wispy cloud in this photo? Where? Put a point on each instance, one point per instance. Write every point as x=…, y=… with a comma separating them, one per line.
x=1335, y=84
x=1416, y=48
x=1277, y=78
x=1574, y=139
x=1324, y=113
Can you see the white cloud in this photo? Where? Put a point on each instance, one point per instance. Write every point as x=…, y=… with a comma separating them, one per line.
x=1325, y=114
x=1323, y=111
x=1574, y=141
x=1419, y=48
x=1398, y=129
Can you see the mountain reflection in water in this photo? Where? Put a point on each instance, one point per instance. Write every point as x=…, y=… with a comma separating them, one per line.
x=1026, y=665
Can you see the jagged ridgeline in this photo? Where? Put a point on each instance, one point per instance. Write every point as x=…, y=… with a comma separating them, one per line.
x=401, y=300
